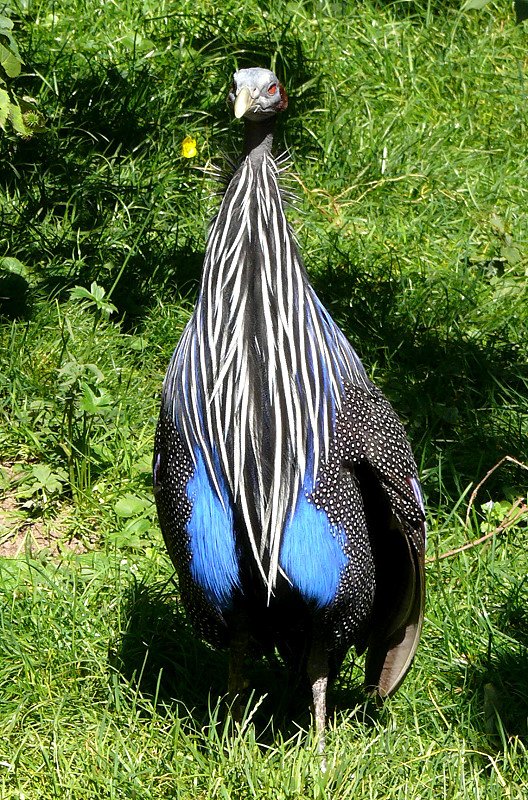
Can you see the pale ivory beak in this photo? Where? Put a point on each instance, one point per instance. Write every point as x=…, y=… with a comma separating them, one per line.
x=243, y=102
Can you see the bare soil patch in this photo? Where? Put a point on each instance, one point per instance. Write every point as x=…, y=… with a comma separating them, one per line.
x=20, y=532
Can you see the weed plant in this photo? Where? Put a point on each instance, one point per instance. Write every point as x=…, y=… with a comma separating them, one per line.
x=407, y=128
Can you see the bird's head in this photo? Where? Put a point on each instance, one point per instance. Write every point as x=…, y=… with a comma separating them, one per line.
x=256, y=94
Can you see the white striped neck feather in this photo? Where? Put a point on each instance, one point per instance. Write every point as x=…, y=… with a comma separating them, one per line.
x=262, y=364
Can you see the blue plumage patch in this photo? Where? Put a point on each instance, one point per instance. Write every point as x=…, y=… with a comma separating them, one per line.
x=312, y=553
x=212, y=541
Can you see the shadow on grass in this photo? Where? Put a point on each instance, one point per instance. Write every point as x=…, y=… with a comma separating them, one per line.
x=90, y=195
x=15, y=295
x=160, y=654
x=105, y=184
x=419, y=8
x=505, y=676
x=461, y=397
x=505, y=695
x=494, y=685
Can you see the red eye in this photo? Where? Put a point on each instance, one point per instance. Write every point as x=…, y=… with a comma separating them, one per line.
x=272, y=88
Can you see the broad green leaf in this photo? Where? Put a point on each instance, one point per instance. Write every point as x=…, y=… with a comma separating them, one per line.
x=13, y=264
x=89, y=400
x=41, y=473
x=130, y=506
x=469, y=4
x=10, y=60
x=138, y=526
x=94, y=297
x=94, y=403
x=96, y=372
x=498, y=223
x=137, y=343
x=97, y=291
x=44, y=478
x=137, y=42
x=5, y=104
x=11, y=44
x=6, y=24
x=17, y=120
x=511, y=253
x=80, y=293
x=70, y=372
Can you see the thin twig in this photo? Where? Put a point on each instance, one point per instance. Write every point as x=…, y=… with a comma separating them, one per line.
x=507, y=521
x=485, y=478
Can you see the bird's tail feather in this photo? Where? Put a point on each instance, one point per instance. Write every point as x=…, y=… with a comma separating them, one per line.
x=392, y=646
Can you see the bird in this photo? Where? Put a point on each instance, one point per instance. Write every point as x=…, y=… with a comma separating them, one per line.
x=286, y=489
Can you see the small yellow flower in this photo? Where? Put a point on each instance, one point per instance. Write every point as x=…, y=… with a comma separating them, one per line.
x=189, y=149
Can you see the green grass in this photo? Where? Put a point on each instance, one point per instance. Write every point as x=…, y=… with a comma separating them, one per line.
x=407, y=125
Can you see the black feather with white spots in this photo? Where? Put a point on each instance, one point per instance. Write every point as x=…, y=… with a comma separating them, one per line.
x=368, y=435
x=173, y=469
x=366, y=486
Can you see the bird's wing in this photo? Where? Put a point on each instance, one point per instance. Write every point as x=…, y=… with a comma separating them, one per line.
x=378, y=451
x=172, y=474
x=398, y=616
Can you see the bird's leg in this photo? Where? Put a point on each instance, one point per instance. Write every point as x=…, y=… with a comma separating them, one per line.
x=237, y=681
x=318, y=668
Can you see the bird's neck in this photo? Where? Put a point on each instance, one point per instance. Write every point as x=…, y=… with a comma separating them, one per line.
x=258, y=137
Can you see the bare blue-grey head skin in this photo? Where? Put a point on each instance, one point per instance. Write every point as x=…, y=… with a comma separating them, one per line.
x=256, y=94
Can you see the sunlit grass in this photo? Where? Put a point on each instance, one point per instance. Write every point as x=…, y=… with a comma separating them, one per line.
x=407, y=127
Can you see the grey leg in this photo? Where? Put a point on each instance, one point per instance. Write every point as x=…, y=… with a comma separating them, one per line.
x=318, y=669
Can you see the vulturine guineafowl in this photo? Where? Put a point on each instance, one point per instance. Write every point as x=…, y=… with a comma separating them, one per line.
x=285, y=485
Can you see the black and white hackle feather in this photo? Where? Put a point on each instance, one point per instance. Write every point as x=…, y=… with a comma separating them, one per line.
x=286, y=489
